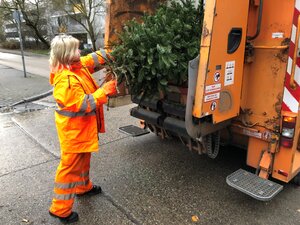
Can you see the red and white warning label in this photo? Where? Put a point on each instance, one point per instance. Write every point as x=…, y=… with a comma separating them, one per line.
x=212, y=88
x=212, y=97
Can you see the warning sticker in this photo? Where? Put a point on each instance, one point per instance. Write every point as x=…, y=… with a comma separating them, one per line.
x=211, y=97
x=212, y=88
x=229, y=73
x=213, y=106
x=217, y=76
x=277, y=35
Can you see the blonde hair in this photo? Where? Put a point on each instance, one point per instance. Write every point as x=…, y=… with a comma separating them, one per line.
x=63, y=50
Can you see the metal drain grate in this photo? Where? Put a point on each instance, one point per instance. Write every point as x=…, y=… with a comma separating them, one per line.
x=22, y=108
x=28, y=107
x=250, y=184
x=133, y=130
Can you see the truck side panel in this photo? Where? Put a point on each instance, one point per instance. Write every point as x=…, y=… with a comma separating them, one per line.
x=264, y=74
x=220, y=79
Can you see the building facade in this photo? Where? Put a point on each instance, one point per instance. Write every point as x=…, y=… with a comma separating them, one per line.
x=61, y=17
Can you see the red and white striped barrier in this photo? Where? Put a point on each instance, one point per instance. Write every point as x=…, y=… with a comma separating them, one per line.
x=291, y=96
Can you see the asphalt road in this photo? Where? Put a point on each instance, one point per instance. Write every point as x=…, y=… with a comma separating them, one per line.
x=145, y=180
x=34, y=64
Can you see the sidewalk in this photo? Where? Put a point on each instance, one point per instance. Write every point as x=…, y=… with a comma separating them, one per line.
x=30, y=154
x=28, y=159
x=14, y=87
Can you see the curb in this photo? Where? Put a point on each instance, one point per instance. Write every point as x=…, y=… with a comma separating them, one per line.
x=33, y=98
x=18, y=52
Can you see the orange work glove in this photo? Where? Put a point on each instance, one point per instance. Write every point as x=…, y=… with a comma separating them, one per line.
x=110, y=88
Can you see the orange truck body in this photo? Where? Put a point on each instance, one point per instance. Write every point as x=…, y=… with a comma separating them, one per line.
x=249, y=77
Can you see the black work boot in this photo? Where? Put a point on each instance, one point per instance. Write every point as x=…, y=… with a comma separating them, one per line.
x=73, y=217
x=94, y=191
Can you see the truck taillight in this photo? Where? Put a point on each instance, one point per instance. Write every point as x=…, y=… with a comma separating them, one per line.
x=288, y=131
x=283, y=173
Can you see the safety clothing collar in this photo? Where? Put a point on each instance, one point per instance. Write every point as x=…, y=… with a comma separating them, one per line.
x=76, y=66
x=72, y=69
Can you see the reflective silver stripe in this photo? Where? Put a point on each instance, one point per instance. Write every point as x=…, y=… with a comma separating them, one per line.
x=96, y=60
x=92, y=102
x=103, y=53
x=74, y=114
x=60, y=105
x=84, y=104
x=64, y=185
x=82, y=109
x=84, y=174
x=83, y=183
x=64, y=196
x=71, y=185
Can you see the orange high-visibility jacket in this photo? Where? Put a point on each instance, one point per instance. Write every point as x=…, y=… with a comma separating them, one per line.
x=79, y=103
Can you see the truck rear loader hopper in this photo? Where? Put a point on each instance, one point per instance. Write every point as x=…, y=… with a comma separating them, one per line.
x=246, y=80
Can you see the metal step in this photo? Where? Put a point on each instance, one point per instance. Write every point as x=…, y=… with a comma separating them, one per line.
x=253, y=185
x=133, y=130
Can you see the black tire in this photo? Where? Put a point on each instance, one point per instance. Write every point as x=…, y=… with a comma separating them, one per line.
x=297, y=179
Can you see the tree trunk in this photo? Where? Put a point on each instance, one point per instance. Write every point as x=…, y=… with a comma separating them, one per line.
x=39, y=36
x=92, y=35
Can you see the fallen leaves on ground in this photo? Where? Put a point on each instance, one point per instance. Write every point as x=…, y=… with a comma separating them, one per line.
x=25, y=221
x=195, y=218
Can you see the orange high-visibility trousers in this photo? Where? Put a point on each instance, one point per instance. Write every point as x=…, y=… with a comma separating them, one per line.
x=72, y=177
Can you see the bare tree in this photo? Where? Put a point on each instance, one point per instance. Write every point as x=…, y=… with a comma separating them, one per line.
x=2, y=38
x=84, y=12
x=33, y=12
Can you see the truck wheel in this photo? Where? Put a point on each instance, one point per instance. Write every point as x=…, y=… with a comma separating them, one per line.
x=297, y=179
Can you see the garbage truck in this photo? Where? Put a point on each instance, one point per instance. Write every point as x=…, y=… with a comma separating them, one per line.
x=243, y=89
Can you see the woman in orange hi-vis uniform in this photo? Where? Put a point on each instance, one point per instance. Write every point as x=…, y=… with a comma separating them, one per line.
x=79, y=119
